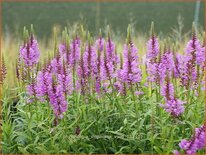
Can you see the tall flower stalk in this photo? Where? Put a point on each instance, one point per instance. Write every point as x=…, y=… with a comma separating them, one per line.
x=99, y=46
x=29, y=54
x=130, y=74
x=153, y=51
x=109, y=61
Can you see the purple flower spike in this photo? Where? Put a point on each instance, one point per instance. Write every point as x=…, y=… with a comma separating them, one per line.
x=167, y=90
x=194, y=48
x=167, y=60
x=99, y=44
x=90, y=58
x=29, y=52
x=152, y=48
x=109, y=61
x=151, y=59
x=130, y=73
x=75, y=52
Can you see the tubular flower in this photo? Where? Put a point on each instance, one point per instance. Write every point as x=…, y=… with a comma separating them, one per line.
x=196, y=143
x=29, y=52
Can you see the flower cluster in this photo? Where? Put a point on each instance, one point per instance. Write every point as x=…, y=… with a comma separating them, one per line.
x=151, y=62
x=152, y=49
x=29, y=52
x=191, y=65
x=197, y=142
x=53, y=83
x=130, y=72
x=93, y=67
x=173, y=105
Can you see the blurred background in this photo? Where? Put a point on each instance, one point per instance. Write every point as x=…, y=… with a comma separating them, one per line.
x=95, y=15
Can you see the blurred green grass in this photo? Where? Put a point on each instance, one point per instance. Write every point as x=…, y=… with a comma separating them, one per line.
x=45, y=15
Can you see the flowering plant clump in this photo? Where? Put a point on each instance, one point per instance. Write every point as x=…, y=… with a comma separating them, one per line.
x=98, y=87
